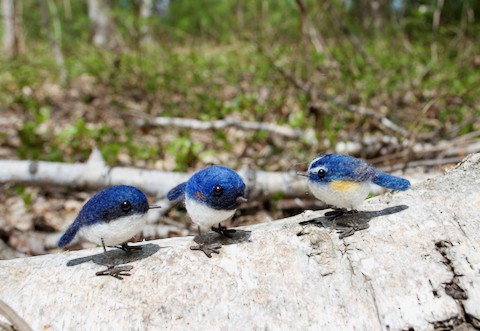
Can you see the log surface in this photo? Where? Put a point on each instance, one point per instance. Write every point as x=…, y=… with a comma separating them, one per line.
x=417, y=266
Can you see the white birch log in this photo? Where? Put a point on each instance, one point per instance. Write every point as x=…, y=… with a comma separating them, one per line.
x=95, y=174
x=416, y=268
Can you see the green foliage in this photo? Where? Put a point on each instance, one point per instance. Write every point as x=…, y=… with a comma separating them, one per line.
x=24, y=194
x=32, y=142
x=185, y=151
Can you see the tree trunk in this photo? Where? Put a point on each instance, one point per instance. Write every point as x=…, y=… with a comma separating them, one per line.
x=52, y=25
x=13, y=39
x=146, y=7
x=103, y=28
x=417, y=267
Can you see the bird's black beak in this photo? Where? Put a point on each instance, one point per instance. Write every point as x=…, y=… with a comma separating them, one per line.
x=154, y=207
x=304, y=174
x=241, y=199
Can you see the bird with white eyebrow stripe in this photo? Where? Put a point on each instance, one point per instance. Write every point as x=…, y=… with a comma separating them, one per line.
x=345, y=182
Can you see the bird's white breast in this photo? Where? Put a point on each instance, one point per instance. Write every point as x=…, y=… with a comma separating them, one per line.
x=114, y=232
x=205, y=216
x=341, y=194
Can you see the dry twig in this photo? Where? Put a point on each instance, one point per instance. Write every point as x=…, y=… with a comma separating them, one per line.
x=17, y=322
x=194, y=124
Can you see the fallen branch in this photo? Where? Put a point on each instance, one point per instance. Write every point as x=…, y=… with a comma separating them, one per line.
x=190, y=123
x=95, y=174
x=391, y=148
x=380, y=119
x=16, y=322
x=442, y=152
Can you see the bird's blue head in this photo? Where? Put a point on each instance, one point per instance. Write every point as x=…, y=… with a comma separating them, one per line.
x=113, y=203
x=218, y=187
x=333, y=167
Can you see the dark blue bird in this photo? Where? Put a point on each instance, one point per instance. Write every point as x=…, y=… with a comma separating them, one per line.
x=111, y=217
x=211, y=196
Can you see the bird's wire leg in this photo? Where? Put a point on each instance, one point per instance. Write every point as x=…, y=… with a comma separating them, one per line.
x=208, y=249
x=103, y=245
x=223, y=231
x=113, y=270
x=333, y=215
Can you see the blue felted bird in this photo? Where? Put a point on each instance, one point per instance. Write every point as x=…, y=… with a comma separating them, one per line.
x=110, y=217
x=345, y=182
x=211, y=196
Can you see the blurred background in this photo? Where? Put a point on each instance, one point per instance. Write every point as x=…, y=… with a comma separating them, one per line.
x=395, y=82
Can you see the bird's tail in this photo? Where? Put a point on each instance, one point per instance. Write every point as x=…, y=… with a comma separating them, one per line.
x=177, y=193
x=69, y=234
x=391, y=182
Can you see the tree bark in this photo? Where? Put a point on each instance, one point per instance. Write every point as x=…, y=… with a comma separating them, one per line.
x=146, y=8
x=13, y=39
x=416, y=267
x=52, y=25
x=103, y=28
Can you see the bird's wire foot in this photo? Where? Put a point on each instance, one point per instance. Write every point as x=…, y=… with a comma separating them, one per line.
x=116, y=271
x=330, y=215
x=207, y=249
x=127, y=248
x=349, y=230
x=224, y=231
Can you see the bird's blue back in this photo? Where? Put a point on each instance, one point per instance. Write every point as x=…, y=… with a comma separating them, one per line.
x=105, y=206
x=344, y=167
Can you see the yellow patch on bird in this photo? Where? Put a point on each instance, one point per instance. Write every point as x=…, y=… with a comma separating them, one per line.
x=344, y=185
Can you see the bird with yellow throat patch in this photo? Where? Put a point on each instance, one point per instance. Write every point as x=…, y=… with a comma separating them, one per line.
x=345, y=182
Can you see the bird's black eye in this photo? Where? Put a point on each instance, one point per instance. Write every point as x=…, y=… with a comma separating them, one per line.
x=126, y=206
x=217, y=190
x=321, y=173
